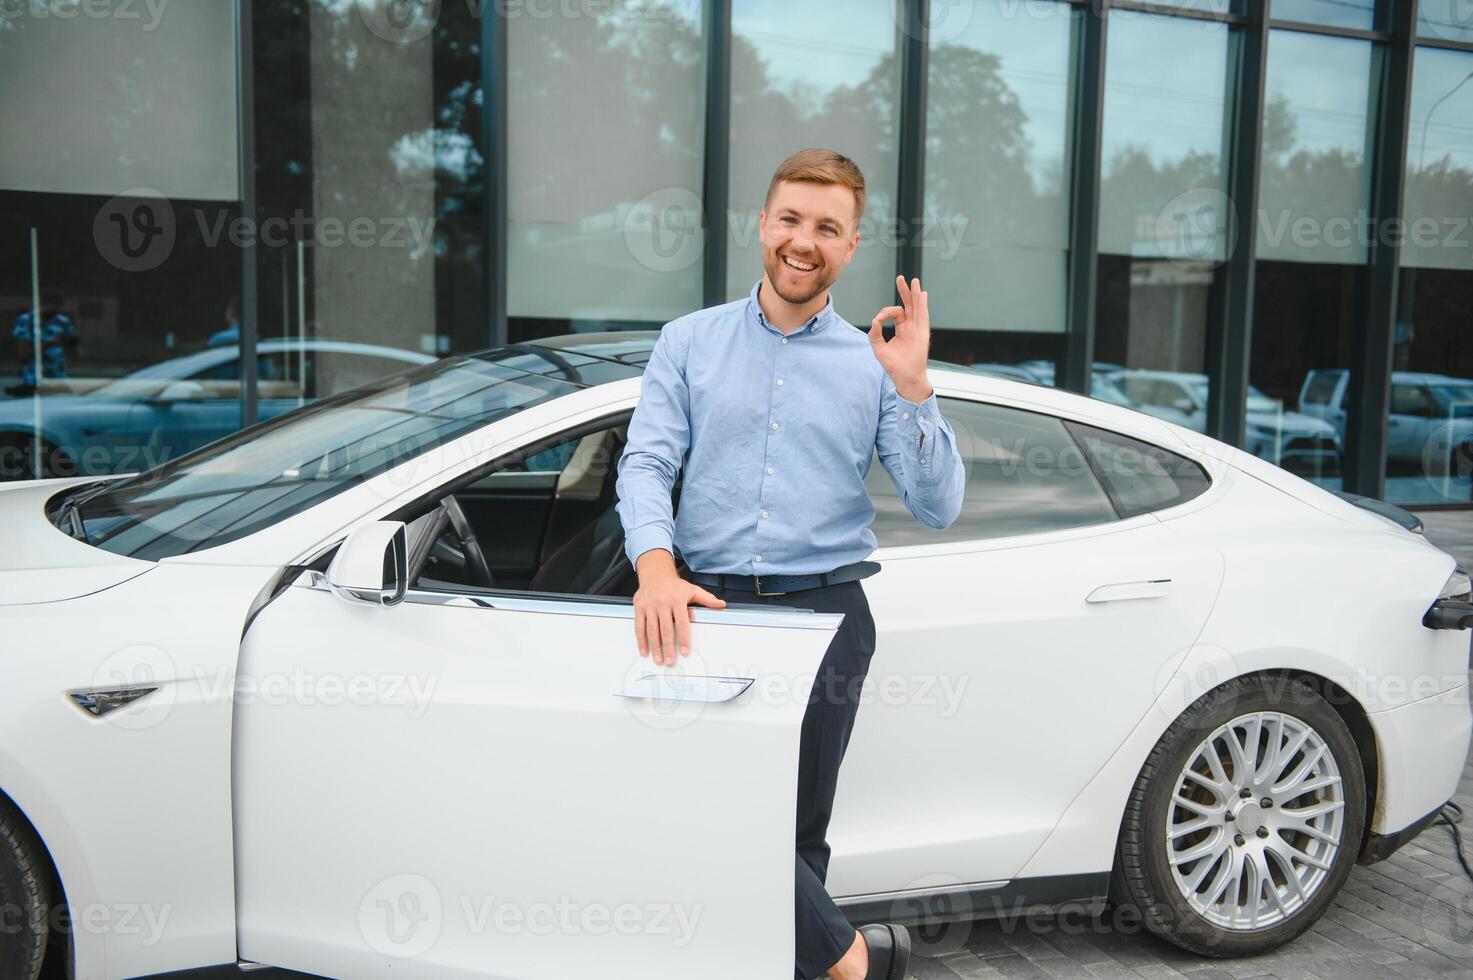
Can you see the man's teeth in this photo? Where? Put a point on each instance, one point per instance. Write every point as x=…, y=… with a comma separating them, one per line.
x=800, y=266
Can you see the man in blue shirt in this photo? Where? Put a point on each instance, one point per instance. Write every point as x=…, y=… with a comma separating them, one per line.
x=58, y=337
x=774, y=406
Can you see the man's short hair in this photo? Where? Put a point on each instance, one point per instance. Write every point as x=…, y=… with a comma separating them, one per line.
x=819, y=166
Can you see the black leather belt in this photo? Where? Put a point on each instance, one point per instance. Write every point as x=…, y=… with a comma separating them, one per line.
x=781, y=584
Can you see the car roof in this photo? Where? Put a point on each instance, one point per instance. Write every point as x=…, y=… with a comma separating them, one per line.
x=187, y=364
x=1427, y=377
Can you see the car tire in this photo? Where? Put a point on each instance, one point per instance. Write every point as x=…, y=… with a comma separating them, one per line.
x=25, y=898
x=1462, y=461
x=1183, y=888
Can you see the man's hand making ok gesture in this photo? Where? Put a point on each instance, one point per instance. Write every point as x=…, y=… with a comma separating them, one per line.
x=904, y=356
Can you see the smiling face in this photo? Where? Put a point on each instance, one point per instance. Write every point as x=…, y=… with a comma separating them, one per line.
x=809, y=232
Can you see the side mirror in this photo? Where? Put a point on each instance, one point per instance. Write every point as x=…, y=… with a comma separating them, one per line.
x=372, y=565
x=182, y=390
x=1184, y=405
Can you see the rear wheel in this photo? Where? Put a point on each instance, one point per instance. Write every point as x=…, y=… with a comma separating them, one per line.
x=25, y=898
x=1245, y=820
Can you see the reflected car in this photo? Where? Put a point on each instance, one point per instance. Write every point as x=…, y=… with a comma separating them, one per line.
x=1429, y=422
x=1301, y=444
x=94, y=427
x=1101, y=383
x=342, y=688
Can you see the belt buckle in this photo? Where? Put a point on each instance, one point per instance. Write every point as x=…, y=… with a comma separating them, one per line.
x=757, y=580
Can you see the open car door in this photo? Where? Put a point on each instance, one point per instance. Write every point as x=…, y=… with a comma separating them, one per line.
x=492, y=784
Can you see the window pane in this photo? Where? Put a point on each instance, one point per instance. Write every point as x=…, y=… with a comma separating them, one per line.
x=997, y=178
x=104, y=104
x=1448, y=20
x=801, y=76
x=1429, y=452
x=604, y=141
x=1141, y=477
x=1162, y=207
x=118, y=187
x=1312, y=248
x=1315, y=192
x=1336, y=13
x=1162, y=186
x=369, y=176
x=1025, y=474
x=1440, y=162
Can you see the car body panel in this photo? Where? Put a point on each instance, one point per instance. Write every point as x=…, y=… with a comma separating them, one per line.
x=529, y=785
x=133, y=806
x=41, y=564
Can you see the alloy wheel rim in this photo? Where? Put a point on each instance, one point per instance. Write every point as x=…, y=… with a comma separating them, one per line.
x=1255, y=822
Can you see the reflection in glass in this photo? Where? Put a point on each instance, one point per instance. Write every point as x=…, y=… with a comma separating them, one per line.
x=95, y=284
x=997, y=177
x=1025, y=474
x=1315, y=184
x=1312, y=248
x=604, y=142
x=801, y=76
x=1429, y=449
x=1445, y=20
x=368, y=178
x=269, y=472
x=1359, y=14
x=1162, y=145
x=1162, y=208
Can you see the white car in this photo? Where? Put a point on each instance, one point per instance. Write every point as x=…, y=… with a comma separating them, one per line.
x=1302, y=444
x=354, y=693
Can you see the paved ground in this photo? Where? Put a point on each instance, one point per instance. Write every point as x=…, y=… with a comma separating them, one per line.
x=1409, y=916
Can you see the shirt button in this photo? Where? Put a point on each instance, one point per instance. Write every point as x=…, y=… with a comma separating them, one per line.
x=756, y=557
x=774, y=425
x=905, y=415
x=779, y=382
x=769, y=471
x=764, y=514
x=785, y=340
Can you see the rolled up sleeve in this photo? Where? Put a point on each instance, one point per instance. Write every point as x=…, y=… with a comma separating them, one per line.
x=918, y=448
x=659, y=437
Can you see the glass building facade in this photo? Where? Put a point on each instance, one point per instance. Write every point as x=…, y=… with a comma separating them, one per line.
x=1251, y=218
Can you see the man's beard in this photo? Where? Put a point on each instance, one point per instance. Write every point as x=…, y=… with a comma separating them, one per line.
x=820, y=282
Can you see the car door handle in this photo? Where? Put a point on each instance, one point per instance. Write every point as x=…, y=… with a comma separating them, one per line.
x=685, y=687
x=1115, y=591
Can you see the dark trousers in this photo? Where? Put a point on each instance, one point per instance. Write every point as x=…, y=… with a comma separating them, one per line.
x=823, y=934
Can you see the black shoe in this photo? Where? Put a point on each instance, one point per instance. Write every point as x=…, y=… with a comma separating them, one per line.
x=889, y=950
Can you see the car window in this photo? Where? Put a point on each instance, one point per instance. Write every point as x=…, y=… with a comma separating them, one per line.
x=280, y=467
x=1139, y=476
x=1321, y=389
x=1025, y=474
x=1410, y=400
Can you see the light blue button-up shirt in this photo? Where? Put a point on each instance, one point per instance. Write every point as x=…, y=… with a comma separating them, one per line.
x=775, y=434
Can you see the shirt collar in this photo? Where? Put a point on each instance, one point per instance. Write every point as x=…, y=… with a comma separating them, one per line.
x=819, y=320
